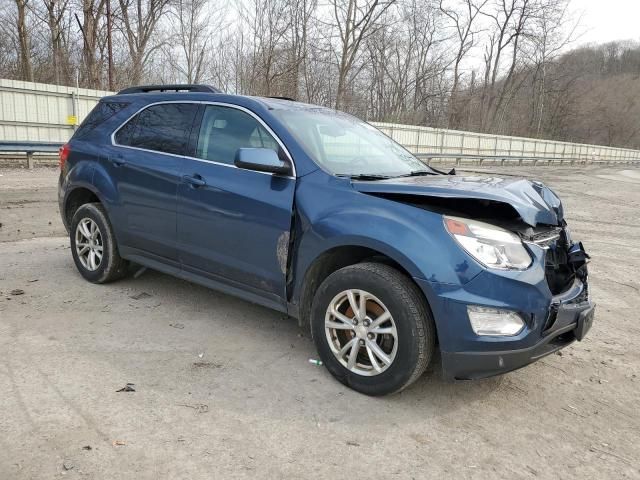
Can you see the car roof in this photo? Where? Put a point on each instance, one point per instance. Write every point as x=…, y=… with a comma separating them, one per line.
x=270, y=103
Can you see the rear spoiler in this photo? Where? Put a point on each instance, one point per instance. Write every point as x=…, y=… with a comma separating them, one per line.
x=170, y=88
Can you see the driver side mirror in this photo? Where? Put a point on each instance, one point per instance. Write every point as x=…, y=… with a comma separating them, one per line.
x=261, y=160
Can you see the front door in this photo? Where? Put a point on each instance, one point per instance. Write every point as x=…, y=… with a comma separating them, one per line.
x=233, y=224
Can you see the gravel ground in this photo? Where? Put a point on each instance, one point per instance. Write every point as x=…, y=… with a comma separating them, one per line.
x=224, y=389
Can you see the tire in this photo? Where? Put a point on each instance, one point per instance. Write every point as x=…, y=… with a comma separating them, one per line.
x=382, y=287
x=110, y=266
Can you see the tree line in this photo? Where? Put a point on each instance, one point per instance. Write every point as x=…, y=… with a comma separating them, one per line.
x=495, y=66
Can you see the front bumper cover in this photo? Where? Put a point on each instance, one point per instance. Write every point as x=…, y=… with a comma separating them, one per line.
x=570, y=318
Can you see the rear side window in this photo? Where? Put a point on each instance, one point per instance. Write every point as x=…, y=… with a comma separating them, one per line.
x=163, y=128
x=224, y=130
x=102, y=112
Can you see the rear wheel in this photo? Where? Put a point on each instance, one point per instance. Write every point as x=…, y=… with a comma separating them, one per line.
x=372, y=328
x=93, y=245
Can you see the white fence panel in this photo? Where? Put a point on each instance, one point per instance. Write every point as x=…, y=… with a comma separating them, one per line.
x=49, y=113
x=453, y=142
x=39, y=112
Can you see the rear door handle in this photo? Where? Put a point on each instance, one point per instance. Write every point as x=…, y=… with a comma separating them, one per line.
x=195, y=180
x=117, y=160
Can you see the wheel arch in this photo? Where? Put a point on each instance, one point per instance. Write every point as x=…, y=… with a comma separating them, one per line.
x=339, y=256
x=75, y=198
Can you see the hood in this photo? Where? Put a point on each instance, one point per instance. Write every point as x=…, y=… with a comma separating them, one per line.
x=534, y=202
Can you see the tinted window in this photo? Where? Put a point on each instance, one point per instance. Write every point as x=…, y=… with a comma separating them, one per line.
x=224, y=130
x=102, y=112
x=163, y=128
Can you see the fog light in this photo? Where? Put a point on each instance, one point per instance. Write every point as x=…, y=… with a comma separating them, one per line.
x=493, y=321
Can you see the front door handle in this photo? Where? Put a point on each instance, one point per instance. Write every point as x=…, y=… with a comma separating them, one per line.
x=194, y=180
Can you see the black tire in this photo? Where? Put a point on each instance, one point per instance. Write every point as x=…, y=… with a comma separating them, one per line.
x=414, y=323
x=111, y=267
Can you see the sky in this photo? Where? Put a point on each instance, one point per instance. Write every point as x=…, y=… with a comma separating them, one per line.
x=607, y=20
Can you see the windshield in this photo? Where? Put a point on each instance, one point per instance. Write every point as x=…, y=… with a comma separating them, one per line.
x=344, y=145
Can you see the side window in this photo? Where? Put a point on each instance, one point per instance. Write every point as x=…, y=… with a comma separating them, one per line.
x=102, y=112
x=224, y=130
x=163, y=128
x=123, y=135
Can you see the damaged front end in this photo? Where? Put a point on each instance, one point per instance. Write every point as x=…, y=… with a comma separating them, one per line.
x=565, y=260
x=529, y=209
x=550, y=295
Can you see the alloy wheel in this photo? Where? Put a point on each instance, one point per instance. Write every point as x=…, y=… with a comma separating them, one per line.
x=89, y=246
x=361, y=332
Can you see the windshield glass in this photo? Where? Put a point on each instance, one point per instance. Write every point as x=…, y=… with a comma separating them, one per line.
x=344, y=145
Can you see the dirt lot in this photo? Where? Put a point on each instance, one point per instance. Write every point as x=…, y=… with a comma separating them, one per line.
x=224, y=389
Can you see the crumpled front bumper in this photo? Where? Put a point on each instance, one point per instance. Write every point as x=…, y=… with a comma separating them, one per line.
x=570, y=318
x=552, y=321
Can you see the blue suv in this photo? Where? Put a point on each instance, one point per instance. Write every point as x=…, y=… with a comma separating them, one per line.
x=319, y=215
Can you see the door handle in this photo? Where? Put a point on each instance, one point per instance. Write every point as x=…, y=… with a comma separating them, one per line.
x=194, y=180
x=117, y=160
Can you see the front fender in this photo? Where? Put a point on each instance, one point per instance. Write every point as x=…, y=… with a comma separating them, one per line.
x=412, y=237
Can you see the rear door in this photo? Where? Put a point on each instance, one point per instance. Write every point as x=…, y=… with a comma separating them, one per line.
x=233, y=224
x=146, y=163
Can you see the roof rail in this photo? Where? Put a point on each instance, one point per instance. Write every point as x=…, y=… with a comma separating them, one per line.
x=170, y=88
x=283, y=98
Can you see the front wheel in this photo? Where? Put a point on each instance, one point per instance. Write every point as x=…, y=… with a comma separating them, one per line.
x=372, y=328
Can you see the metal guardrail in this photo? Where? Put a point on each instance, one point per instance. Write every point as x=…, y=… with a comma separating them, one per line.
x=29, y=148
x=428, y=140
x=520, y=160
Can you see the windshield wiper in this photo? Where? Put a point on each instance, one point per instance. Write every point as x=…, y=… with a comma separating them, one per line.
x=418, y=173
x=366, y=176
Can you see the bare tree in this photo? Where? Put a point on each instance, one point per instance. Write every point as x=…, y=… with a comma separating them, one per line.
x=355, y=20
x=26, y=69
x=140, y=20
x=301, y=12
x=404, y=58
x=463, y=16
x=54, y=14
x=92, y=16
x=550, y=37
x=275, y=43
x=407, y=61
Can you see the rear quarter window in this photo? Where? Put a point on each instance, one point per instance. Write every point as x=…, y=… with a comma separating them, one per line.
x=162, y=128
x=102, y=112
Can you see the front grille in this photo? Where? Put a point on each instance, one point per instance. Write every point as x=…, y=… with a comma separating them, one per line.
x=558, y=272
x=546, y=238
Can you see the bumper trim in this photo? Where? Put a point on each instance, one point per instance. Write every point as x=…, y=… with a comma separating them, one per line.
x=476, y=365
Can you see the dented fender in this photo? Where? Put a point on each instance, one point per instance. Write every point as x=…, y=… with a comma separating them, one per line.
x=412, y=237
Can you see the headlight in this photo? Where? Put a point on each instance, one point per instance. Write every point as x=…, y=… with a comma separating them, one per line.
x=494, y=321
x=492, y=246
